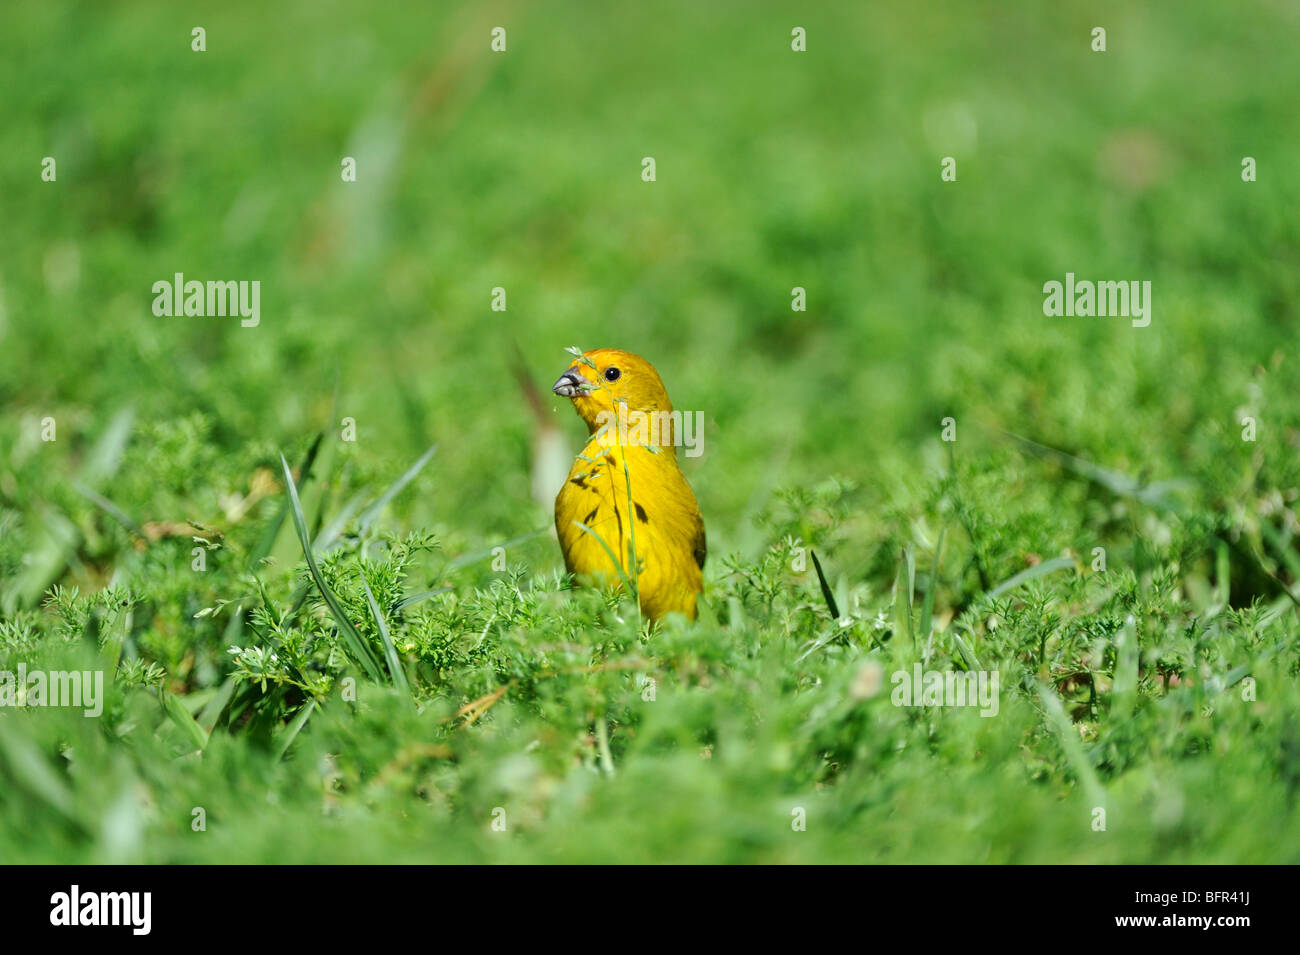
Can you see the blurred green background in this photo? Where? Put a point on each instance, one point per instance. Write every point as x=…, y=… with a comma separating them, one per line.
x=775, y=169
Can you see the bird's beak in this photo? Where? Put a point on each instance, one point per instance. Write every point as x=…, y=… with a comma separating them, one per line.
x=571, y=384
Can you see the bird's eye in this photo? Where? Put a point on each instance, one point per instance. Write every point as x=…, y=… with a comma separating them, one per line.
x=611, y=374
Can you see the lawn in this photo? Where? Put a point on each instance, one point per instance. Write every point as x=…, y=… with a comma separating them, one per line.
x=1100, y=514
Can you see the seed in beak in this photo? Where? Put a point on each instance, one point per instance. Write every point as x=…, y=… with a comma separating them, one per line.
x=571, y=385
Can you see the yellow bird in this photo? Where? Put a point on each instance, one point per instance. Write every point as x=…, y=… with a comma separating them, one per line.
x=633, y=440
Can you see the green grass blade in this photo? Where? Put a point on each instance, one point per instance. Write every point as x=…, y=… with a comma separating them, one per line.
x=1125, y=683
x=109, y=508
x=207, y=719
x=111, y=651
x=1223, y=573
x=331, y=532
x=370, y=513
x=627, y=583
x=27, y=768
x=179, y=715
x=474, y=556
x=1155, y=495
x=967, y=654
x=106, y=456
x=57, y=539
x=898, y=600
x=909, y=566
x=1032, y=573
x=1068, y=737
x=927, y=608
x=416, y=598
x=290, y=732
x=351, y=636
x=826, y=588
x=394, y=662
x=266, y=543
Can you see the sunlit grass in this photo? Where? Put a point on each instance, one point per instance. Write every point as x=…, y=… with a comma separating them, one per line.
x=362, y=650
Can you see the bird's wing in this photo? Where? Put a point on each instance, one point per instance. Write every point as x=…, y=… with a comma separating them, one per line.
x=588, y=496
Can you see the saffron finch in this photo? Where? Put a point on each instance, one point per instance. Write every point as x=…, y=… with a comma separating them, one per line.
x=633, y=438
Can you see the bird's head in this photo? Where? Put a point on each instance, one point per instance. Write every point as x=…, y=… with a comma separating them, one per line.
x=604, y=378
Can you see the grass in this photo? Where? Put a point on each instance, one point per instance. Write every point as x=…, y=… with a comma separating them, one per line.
x=363, y=651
